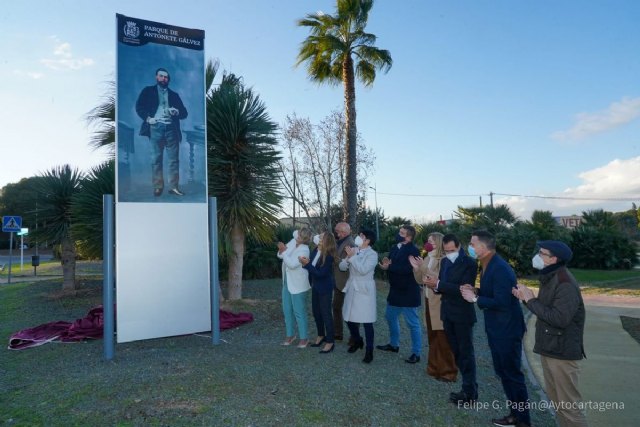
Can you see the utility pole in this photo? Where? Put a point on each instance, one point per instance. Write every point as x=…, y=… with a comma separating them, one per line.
x=491, y=196
x=375, y=195
x=480, y=202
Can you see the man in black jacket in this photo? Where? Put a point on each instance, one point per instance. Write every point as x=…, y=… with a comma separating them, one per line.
x=559, y=329
x=458, y=316
x=161, y=110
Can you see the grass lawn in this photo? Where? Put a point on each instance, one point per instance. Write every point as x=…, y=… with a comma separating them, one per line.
x=608, y=282
x=248, y=380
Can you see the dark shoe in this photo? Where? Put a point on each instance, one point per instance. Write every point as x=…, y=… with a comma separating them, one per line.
x=157, y=191
x=388, y=347
x=317, y=343
x=338, y=338
x=461, y=397
x=413, y=359
x=328, y=351
x=368, y=356
x=176, y=192
x=508, y=421
x=354, y=347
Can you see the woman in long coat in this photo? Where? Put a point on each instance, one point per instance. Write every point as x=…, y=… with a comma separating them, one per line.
x=360, y=292
x=442, y=363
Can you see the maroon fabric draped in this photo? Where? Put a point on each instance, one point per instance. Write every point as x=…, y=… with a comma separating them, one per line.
x=91, y=327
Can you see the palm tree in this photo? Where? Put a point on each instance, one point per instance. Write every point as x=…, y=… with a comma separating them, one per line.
x=243, y=169
x=86, y=209
x=103, y=119
x=329, y=53
x=57, y=188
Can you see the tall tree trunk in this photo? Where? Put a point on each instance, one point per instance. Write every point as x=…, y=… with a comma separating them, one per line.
x=68, y=261
x=236, y=261
x=348, y=79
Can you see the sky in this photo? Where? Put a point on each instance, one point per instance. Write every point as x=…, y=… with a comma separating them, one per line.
x=537, y=102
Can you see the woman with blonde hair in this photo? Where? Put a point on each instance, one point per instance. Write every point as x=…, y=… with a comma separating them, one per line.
x=320, y=267
x=441, y=365
x=295, y=284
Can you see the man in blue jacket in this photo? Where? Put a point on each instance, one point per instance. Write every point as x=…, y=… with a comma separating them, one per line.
x=404, y=294
x=458, y=316
x=504, y=325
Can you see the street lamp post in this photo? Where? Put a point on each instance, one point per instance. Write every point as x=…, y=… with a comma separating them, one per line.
x=375, y=195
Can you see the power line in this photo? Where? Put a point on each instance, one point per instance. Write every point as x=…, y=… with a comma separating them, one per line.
x=429, y=195
x=593, y=199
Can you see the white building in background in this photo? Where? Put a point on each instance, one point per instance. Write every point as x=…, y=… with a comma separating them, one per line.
x=570, y=222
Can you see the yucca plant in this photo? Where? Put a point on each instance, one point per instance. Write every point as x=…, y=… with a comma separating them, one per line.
x=86, y=209
x=56, y=189
x=242, y=164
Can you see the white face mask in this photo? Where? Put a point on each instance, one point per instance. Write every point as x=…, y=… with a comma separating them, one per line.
x=316, y=239
x=453, y=256
x=537, y=262
x=295, y=234
x=358, y=241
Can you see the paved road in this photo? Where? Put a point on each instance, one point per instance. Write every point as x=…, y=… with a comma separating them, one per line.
x=611, y=372
x=15, y=262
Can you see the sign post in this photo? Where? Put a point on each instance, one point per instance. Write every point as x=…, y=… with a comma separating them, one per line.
x=11, y=224
x=23, y=232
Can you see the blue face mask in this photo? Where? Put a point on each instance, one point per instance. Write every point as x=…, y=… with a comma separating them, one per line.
x=399, y=238
x=472, y=252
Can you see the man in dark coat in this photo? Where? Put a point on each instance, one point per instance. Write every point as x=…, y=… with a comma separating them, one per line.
x=343, y=241
x=458, y=316
x=504, y=325
x=161, y=110
x=559, y=329
x=404, y=294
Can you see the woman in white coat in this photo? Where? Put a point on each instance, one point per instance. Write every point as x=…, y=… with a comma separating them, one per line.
x=295, y=286
x=360, y=292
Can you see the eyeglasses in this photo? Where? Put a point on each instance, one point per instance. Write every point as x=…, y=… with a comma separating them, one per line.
x=544, y=254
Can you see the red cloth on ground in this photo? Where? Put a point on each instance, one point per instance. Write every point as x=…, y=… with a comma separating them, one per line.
x=91, y=327
x=230, y=320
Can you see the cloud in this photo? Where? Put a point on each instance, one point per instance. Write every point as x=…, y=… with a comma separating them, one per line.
x=587, y=124
x=63, y=58
x=616, y=179
x=601, y=188
x=32, y=74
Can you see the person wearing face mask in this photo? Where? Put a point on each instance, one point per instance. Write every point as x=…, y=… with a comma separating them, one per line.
x=320, y=267
x=503, y=323
x=295, y=284
x=404, y=294
x=458, y=316
x=343, y=241
x=441, y=363
x=360, y=292
x=560, y=314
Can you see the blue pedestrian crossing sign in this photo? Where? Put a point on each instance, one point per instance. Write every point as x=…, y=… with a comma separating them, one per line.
x=11, y=224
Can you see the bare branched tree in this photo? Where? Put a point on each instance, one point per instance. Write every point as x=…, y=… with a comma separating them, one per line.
x=313, y=165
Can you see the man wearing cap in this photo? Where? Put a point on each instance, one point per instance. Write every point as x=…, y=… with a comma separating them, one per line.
x=559, y=328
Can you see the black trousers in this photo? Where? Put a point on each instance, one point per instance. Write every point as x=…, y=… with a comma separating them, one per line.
x=507, y=362
x=354, y=330
x=321, y=308
x=460, y=337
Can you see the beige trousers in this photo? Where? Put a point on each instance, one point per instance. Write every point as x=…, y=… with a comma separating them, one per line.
x=561, y=385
